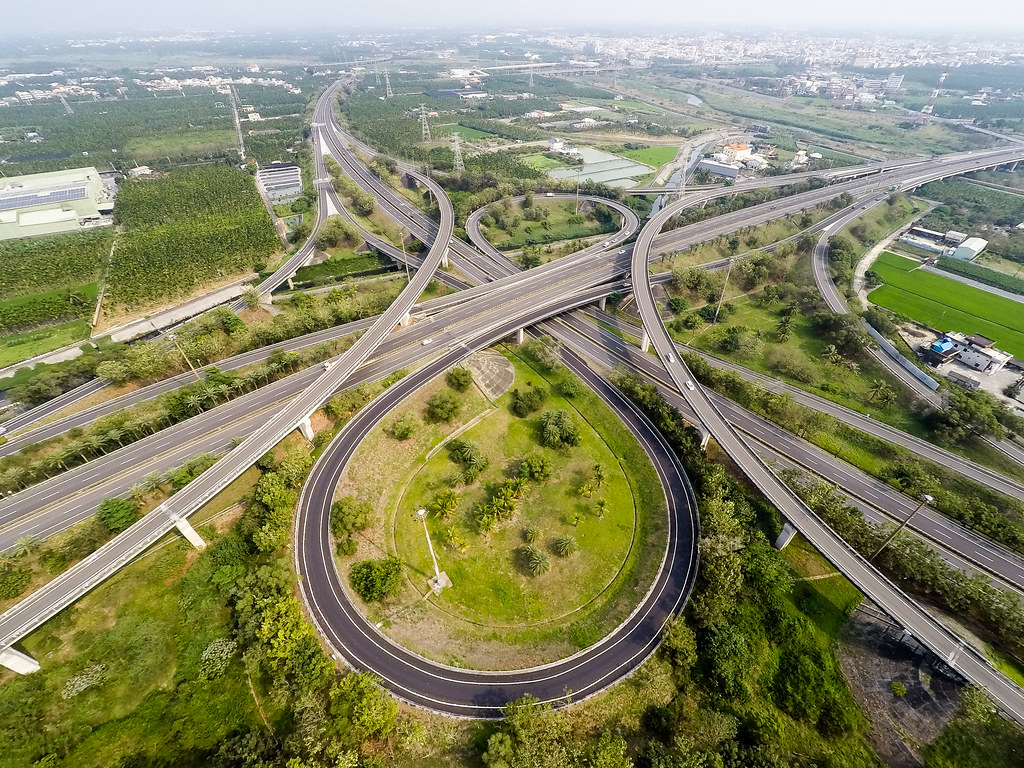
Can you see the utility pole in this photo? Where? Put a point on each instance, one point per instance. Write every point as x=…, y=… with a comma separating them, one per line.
x=457, y=165
x=174, y=340
x=424, y=125
x=388, y=93
x=440, y=580
x=925, y=499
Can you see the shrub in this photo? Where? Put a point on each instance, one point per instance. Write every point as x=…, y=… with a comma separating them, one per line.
x=12, y=580
x=898, y=688
x=570, y=386
x=349, y=515
x=347, y=547
x=460, y=379
x=443, y=406
x=402, y=427
x=544, y=350
x=530, y=534
x=536, y=467
x=526, y=401
x=375, y=580
x=117, y=514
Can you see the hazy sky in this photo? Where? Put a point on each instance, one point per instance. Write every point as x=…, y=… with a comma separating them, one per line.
x=71, y=17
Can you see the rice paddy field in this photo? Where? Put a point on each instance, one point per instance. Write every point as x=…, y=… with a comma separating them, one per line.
x=947, y=305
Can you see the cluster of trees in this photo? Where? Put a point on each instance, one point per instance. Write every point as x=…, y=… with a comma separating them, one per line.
x=503, y=505
x=266, y=523
x=37, y=265
x=525, y=401
x=336, y=231
x=46, y=308
x=376, y=580
x=559, y=430
x=348, y=517
x=469, y=458
x=742, y=200
x=211, y=216
x=545, y=351
x=916, y=565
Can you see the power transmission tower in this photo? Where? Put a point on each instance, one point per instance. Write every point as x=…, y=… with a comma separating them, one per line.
x=388, y=93
x=424, y=125
x=531, y=77
x=376, y=72
x=457, y=165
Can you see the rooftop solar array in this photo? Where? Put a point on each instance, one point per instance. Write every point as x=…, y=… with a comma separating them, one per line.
x=24, y=200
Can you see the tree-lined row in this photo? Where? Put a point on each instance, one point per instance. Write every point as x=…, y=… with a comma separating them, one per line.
x=62, y=305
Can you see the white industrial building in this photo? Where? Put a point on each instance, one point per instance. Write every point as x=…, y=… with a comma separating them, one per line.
x=50, y=203
x=736, y=153
x=281, y=182
x=727, y=170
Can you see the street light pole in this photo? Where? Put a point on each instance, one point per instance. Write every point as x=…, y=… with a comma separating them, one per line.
x=422, y=515
x=405, y=256
x=925, y=499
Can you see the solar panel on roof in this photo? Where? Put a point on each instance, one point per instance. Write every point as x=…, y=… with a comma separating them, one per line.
x=40, y=198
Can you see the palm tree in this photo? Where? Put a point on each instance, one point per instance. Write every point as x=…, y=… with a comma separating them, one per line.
x=115, y=435
x=195, y=402
x=566, y=546
x=97, y=443
x=586, y=490
x=151, y=482
x=888, y=397
x=537, y=562
x=137, y=492
x=52, y=463
x=602, y=507
x=530, y=534
x=876, y=389
x=598, y=475
x=78, y=447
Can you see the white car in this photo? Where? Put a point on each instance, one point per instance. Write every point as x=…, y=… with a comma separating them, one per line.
x=622, y=251
x=671, y=358
x=689, y=386
x=606, y=243
x=327, y=365
x=426, y=341
x=3, y=430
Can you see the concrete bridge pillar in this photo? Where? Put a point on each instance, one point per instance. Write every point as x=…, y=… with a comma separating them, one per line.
x=788, y=532
x=602, y=303
x=406, y=319
x=185, y=528
x=705, y=438
x=291, y=284
x=19, y=662
x=444, y=259
x=520, y=336
x=1014, y=166
x=645, y=342
x=306, y=428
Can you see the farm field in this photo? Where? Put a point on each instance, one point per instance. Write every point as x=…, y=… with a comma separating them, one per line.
x=947, y=305
x=184, y=230
x=464, y=132
x=542, y=162
x=16, y=347
x=652, y=156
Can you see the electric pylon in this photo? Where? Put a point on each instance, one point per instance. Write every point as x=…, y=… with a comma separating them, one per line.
x=424, y=125
x=457, y=165
x=376, y=73
x=388, y=93
x=531, y=77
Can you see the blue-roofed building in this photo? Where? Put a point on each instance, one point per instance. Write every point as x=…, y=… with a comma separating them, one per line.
x=49, y=203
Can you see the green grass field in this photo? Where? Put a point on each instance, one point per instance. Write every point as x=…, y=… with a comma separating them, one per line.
x=21, y=346
x=556, y=227
x=652, y=156
x=542, y=162
x=947, y=305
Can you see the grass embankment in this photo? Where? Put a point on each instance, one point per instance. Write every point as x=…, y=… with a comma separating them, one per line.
x=946, y=305
x=496, y=614
x=511, y=229
x=21, y=346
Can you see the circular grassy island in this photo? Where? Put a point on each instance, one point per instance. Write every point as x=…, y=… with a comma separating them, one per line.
x=543, y=511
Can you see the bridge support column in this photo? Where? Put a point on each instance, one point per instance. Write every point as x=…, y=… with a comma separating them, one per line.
x=406, y=319
x=185, y=529
x=520, y=336
x=705, y=438
x=1014, y=166
x=645, y=342
x=291, y=284
x=19, y=662
x=444, y=260
x=306, y=428
x=602, y=303
x=788, y=532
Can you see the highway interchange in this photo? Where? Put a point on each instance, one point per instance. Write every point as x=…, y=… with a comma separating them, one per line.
x=503, y=302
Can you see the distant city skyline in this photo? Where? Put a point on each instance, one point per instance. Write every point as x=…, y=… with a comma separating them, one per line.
x=67, y=18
